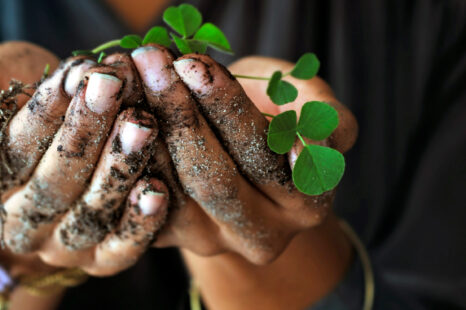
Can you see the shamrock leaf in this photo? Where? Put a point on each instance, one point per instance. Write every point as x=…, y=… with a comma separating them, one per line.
x=214, y=37
x=279, y=91
x=157, y=35
x=318, y=120
x=318, y=169
x=282, y=132
x=182, y=45
x=197, y=46
x=184, y=19
x=131, y=41
x=306, y=67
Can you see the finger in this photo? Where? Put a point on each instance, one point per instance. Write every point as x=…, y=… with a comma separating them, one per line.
x=67, y=165
x=31, y=130
x=132, y=91
x=205, y=170
x=123, y=158
x=145, y=213
x=240, y=125
x=243, y=130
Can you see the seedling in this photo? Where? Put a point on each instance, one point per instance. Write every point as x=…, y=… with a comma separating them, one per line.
x=318, y=168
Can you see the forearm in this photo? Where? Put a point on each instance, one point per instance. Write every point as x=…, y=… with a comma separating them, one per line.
x=22, y=300
x=313, y=264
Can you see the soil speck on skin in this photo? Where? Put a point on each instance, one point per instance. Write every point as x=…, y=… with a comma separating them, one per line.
x=134, y=161
x=89, y=226
x=117, y=174
x=116, y=144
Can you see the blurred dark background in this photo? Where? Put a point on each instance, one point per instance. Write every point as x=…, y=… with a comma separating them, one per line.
x=400, y=66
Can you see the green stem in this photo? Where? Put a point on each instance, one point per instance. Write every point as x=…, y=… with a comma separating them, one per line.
x=106, y=45
x=239, y=76
x=288, y=73
x=267, y=114
x=301, y=138
x=194, y=296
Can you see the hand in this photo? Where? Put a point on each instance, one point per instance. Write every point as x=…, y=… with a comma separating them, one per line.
x=240, y=197
x=69, y=180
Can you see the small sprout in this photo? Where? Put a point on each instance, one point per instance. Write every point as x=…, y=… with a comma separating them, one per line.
x=318, y=120
x=214, y=37
x=46, y=71
x=306, y=67
x=131, y=41
x=279, y=91
x=158, y=35
x=282, y=132
x=318, y=169
x=184, y=19
x=101, y=57
x=82, y=53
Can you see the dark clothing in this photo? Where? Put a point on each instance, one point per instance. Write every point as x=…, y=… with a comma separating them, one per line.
x=400, y=66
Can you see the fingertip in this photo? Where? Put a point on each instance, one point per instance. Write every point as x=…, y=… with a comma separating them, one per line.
x=76, y=73
x=137, y=129
x=195, y=75
x=150, y=196
x=151, y=61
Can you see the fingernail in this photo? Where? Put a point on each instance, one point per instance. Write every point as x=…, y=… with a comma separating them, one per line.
x=151, y=63
x=142, y=50
x=150, y=202
x=75, y=74
x=133, y=137
x=101, y=92
x=194, y=74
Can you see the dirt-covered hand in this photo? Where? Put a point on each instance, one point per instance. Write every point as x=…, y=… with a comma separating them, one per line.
x=239, y=194
x=71, y=191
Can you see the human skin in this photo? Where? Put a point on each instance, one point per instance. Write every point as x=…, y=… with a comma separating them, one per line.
x=271, y=211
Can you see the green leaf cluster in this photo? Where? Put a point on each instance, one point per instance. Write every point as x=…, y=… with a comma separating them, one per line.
x=282, y=92
x=318, y=168
x=190, y=36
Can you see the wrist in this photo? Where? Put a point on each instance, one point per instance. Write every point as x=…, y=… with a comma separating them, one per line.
x=313, y=264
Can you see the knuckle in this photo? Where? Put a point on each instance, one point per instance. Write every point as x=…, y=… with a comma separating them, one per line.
x=97, y=271
x=208, y=250
x=263, y=257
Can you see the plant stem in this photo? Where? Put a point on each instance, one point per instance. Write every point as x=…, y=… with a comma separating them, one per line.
x=239, y=76
x=194, y=296
x=267, y=114
x=106, y=45
x=301, y=138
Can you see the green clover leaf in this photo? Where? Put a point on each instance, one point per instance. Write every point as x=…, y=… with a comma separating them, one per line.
x=282, y=132
x=279, y=91
x=197, y=46
x=214, y=37
x=131, y=41
x=318, y=169
x=158, y=35
x=318, y=120
x=306, y=67
x=187, y=46
x=182, y=45
x=184, y=19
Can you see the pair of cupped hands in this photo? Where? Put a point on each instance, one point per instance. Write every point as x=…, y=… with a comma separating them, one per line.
x=148, y=150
